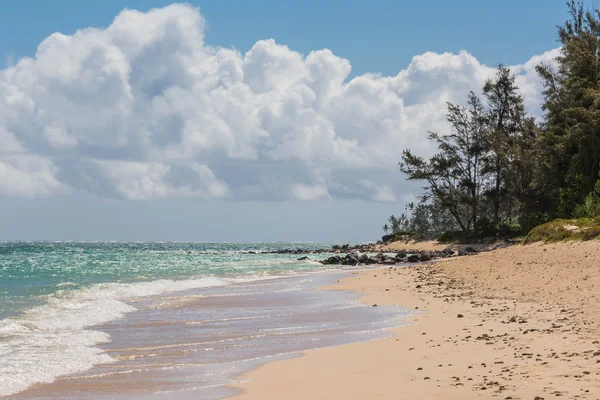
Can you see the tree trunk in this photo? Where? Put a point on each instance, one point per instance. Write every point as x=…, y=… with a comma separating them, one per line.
x=497, y=194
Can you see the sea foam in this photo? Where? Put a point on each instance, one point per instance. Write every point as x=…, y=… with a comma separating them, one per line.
x=51, y=340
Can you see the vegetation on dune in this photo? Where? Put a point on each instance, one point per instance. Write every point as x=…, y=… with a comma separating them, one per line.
x=401, y=236
x=565, y=229
x=498, y=172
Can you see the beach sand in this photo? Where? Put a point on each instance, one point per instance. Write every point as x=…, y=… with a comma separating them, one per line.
x=515, y=323
x=417, y=245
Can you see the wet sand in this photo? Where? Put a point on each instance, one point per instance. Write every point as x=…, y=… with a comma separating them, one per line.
x=191, y=344
x=515, y=323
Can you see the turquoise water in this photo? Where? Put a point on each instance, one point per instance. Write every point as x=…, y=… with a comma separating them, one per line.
x=31, y=271
x=54, y=296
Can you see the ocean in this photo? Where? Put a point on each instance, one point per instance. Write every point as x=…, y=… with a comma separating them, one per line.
x=165, y=320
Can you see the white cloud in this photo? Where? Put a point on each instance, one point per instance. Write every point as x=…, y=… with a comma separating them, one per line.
x=381, y=193
x=28, y=176
x=145, y=109
x=301, y=191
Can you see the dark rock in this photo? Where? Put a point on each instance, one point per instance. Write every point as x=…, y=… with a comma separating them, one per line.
x=413, y=258
x=351, y=259
x=425, y=257
x=303, y=258
x=372, y=260
x=335, y=260
x=448, y=252
x=400, y=259
x=460, y=316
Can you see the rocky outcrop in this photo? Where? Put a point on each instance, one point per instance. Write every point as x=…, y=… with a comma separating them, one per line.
x=344, y=248
x=346, y=254
x=401, y=257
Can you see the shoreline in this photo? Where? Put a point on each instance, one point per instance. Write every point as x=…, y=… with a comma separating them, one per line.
x=266, y=320
x=475, y=337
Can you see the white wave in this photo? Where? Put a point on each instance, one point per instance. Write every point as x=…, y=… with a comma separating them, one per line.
x=52, y=340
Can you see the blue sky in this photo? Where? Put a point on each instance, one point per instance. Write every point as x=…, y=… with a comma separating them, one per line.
x=376, y=36
x=151, y=127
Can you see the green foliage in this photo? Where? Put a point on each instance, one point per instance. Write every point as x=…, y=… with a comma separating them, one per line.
x=498, y=166
x=401, y=236
x=570, y=195
x=454, y=176
x=504, y=231
x=483, y=165
x=460, y=237
x=530, y=220
x=565, y=229
x=422, y=218
x=569, y=145
x=591, y=204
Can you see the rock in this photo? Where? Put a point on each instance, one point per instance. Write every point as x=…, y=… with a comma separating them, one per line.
x=425, y=257
x=335, y=260
x=379, y=257
x=413, y=258
x=448, y=252
x=351, y=259
x=374, y=305
x=460, y=316
x=471, y=250
x=302, y=258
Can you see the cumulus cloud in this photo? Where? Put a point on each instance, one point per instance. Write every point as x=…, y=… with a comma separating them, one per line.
x=146, y=109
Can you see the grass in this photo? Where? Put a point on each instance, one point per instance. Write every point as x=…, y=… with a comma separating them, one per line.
x=561, y=230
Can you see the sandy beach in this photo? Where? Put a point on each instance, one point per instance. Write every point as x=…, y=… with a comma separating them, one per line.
x=514, y=323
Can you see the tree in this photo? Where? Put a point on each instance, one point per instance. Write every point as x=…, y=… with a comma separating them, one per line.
x=506, y=120
x=570, y=135
x=386, y=229
x=498, y=165
x=454, y=177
